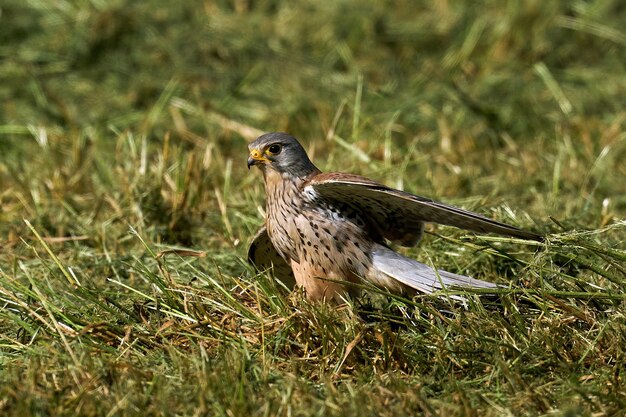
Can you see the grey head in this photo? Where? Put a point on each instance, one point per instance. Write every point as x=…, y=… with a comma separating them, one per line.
x=282, y=153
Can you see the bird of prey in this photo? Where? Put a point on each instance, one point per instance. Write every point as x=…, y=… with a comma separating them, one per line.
x=325, y=229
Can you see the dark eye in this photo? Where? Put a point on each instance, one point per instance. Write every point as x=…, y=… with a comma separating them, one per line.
x=274, y=149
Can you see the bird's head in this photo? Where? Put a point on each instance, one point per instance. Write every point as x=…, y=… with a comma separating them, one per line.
x=281, y=153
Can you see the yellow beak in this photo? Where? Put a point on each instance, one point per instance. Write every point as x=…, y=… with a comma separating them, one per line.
x=255, y=157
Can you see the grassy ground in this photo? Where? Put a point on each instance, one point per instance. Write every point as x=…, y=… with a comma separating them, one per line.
x=123, y=130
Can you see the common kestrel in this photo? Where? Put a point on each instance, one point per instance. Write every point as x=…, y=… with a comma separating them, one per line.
x=322, y=229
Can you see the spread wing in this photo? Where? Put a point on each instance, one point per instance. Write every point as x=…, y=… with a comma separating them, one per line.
x=399, y=216
x=263, y=255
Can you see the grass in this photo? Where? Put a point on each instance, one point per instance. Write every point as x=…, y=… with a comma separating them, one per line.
x=123, y=131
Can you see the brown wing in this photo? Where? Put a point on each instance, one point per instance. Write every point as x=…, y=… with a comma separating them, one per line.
x=263, y=255
x=399, y=215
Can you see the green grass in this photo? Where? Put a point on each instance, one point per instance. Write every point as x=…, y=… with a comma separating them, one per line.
x=123, y=131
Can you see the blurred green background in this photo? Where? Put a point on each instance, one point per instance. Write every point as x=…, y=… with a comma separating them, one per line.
x=123, y=131
x=522, y=67
x=459, y=87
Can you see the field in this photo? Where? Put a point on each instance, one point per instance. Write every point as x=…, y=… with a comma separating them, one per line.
x=126, y=206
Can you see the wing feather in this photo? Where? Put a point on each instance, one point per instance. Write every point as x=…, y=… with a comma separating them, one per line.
x=399, y=215
x=263, y=256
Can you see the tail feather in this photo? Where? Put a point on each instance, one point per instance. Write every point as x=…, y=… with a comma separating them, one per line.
x=388, y=264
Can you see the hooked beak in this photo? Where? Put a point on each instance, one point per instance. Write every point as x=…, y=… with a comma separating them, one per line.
x=255, y=157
